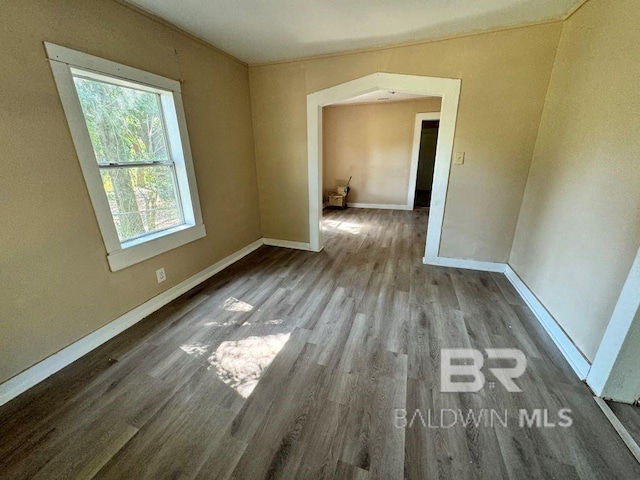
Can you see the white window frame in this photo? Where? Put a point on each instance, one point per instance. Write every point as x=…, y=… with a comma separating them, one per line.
x=64, y=62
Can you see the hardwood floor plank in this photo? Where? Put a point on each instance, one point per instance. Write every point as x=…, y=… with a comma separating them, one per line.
x=179, y=438
x=344, y=471
x=420, y=460
x=84, y=459
x=284, y=366
x=223, y=460
x=271, y=447
x=629, y=416
x=420, y=360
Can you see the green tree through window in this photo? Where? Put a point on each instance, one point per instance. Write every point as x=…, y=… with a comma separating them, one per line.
x=128, y=135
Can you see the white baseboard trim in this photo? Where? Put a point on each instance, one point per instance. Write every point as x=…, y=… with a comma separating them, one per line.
x=380, y=206
x=274, y=242
x=577, y=361
x=466, y=264
x=50, y=365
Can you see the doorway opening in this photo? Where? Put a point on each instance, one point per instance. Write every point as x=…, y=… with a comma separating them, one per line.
x=371, y=140
x=426, y=163
x=424, y=160
x=448, y=89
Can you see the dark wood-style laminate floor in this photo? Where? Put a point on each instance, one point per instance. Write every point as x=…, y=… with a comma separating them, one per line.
x=293, y=364
x=629, y=416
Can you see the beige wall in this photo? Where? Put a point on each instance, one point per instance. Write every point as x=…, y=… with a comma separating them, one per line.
x=504, y=80
x=55, y=283
x=373, y=143
x=579, y=228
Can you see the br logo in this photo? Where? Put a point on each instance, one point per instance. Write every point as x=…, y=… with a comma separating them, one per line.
x=468, y=363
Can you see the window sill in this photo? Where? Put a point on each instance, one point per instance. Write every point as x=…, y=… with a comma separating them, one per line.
x=149, y=246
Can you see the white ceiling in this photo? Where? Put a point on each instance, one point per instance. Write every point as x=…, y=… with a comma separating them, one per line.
x=381, y=96
x=267, y=30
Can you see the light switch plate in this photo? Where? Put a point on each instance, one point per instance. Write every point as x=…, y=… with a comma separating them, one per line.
x=459, y=158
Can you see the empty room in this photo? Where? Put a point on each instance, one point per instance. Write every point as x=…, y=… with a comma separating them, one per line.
x=305, y=240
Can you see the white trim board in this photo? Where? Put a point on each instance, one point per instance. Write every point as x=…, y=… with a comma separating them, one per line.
x=56, y=362
x=578, y=362
x=66, y=55
x=614, y=366
x=274, y=242
x=379, y=206
x=466, y=264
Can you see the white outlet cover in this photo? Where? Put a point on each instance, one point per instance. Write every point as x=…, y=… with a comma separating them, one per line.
x=161, y=275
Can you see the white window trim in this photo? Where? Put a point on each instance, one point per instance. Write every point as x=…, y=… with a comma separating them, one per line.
x=121, y=255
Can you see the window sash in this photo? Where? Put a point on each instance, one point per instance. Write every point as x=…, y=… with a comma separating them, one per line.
x=157, y=93
x=176, y=190
x=134, y=164
x=158, y=97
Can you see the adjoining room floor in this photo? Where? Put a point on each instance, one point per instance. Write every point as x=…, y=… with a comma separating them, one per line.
x=293, y=364
x=629, y=416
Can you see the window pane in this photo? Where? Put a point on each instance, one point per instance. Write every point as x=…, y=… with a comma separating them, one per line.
x=142, y=199
x=125, y=124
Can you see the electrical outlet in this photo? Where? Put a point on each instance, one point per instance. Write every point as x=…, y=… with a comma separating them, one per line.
x=459, y=159
x=160, y=275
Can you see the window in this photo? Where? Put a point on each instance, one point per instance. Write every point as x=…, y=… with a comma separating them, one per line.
x=129, y=131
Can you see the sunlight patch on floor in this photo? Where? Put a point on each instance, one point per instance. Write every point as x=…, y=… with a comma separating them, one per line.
x=234, y=305
x=277, y=321
x=218, y=324
x=330, y=223
x=194, y=349
x=240, y=363
x=352, y=228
